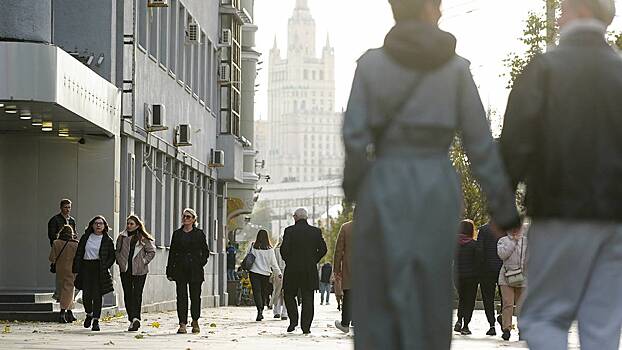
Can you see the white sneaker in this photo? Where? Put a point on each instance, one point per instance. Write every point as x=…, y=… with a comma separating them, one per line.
x=340, y=327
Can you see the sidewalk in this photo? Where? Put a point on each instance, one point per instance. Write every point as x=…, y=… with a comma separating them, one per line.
x=227, y=328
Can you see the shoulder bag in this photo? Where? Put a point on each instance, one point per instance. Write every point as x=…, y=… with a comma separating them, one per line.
x=53, y=265
x=516, y=277
x=249, y=260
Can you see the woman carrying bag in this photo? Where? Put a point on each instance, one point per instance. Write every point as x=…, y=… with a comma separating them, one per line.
x=61, y=257
x=512, y=249
x=94, y=258
x=135, y=250
x=262, y=267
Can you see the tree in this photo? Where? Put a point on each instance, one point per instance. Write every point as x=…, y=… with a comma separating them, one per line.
x=473, y=200
x=262, y=215
x=330, y=236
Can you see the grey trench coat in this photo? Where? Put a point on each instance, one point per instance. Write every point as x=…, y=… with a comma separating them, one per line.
x=409, y=197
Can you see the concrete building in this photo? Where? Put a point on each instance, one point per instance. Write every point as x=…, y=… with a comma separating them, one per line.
x=121, y=107
x=303, y=134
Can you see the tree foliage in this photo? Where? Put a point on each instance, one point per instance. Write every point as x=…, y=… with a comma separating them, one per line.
x=330, y=235
x=262, y=215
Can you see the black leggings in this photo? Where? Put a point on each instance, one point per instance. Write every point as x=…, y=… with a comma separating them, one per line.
x=467, y=292
x=259, y=283
x=91, y=293
x=133, y=294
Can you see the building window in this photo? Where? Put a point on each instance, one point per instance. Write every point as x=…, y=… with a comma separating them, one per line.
x=306, y=74
x=321, y=75
x=188, y=53
x=313, y=74
x=163, y=36
x=142, y=23
x=172, y=42
x=195, y=66
x=153, y=32
x=181, y=27
x=203, y=67
x=211, y=78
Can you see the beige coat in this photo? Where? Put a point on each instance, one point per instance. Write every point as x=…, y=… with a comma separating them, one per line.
x=509, y=251
x=143, y=254
x=63, y=270
x=342, y=258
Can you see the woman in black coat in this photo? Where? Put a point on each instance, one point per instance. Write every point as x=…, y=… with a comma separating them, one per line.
x=467, y=270
x=187, y=256
x=92, y=263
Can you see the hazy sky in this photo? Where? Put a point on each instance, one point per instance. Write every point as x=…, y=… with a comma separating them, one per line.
x=487, y=30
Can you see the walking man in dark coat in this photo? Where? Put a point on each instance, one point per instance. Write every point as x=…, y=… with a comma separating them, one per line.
x=303, y=247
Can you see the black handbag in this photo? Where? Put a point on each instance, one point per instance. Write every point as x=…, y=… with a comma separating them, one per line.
x=249, y=260
x=53, y=265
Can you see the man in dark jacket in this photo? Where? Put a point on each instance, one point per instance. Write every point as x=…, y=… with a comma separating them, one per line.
x=303, y=247
x=326, y=273
x=489, y=274
x=562, y=137
x=55, y=224
x=61, y=219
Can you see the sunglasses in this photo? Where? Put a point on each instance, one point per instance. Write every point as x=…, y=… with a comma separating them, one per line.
x=188, y=217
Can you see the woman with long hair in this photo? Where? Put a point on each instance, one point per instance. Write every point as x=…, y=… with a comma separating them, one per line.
x=187, y=256
x=94, y=258
x=409, y=99
x=135, y=250
x=265, y=265
x=61, y=255
x=467, y=271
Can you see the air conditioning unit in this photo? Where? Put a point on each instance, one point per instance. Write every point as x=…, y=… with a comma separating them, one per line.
x=226, y=39
x=224, y=74
x=193, y=33
x=218, y=159
x=155, y=117
x=182, y=135
x=157, y=3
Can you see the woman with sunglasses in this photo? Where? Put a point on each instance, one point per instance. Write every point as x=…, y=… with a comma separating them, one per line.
x=92, y=263
x=187, y=256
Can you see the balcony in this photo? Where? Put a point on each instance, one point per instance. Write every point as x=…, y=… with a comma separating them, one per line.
x=234, y=158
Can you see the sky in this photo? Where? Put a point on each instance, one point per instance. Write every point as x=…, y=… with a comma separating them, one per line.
x=487, y=31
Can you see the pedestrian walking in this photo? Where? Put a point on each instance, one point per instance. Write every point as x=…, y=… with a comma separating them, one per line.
x=467, y=271
x=231, y=252
x=343, y=274
x=187, y=256
x=302, y=249
x=92, y=262
x=408, y=100
x=326, y=274
x=489, y=274
x=512, y=249
x=55, y=224
x=61, y=256
x=134, y=252
x=278, y=302
x=561, y=137
x=265, y=264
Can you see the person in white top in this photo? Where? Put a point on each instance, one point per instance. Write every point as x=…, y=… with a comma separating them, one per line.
x=265, y=264
x=278, y=302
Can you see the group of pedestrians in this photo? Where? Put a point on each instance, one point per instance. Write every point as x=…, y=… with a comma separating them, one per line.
x=561, y=138
x=85, y=264
x=486, y=260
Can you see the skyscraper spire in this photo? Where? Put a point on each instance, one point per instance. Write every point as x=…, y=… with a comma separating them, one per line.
x=327, y=40
x=275, y=45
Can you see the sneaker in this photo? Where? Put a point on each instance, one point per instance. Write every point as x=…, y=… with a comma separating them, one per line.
x=341, y=327
x=465, y=331
x=283, y=318
x=492, y=331
x=88, y=320
x=70, y=317
x=506, y=335
x=182, y=329
x=458, y=326
x=306, y=332
x=195, y=327
x=95, y=326
x=134, y=325
x=277, y=316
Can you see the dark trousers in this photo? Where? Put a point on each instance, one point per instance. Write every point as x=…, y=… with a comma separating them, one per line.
x=91, y=294
x=133, y=294
x=467, y=291
x=307, y=308
x=259, y=283
x=346, y=311
x=488, y=286
x=182, y=300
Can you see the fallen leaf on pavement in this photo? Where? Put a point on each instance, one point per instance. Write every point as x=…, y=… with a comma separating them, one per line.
x=139, y=336
x=212, y=325
x=7, y=329
x=155, y=324
x=109, y=343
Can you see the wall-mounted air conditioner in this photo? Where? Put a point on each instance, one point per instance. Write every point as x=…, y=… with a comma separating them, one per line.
x=157, y=3
x=155, y=117
x=224, y=73
x=182, y=135
x=217, y=159
x=226, y=39
x=193, y=33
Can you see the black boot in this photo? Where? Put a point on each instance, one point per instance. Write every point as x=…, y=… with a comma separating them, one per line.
x=88, y=320
x=458, y=326
x=465, y=330
x=506, y=334
x=259, y=316
x=492, y=331
x=63, y=316
x=70, y=317
x=95, y=325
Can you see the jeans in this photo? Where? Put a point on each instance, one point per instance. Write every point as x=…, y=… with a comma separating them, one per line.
x=91, y=294
x=182, y=300
x=259, y=283
x=133, y=294
x=324, y=289
x=231, y=274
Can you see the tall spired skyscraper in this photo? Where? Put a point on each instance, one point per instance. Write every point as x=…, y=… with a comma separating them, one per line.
x=302, y=138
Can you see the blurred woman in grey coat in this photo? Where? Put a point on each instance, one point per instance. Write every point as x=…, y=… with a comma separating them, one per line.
x=408, y=100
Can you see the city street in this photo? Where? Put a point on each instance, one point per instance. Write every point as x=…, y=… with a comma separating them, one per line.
x=222, y=328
